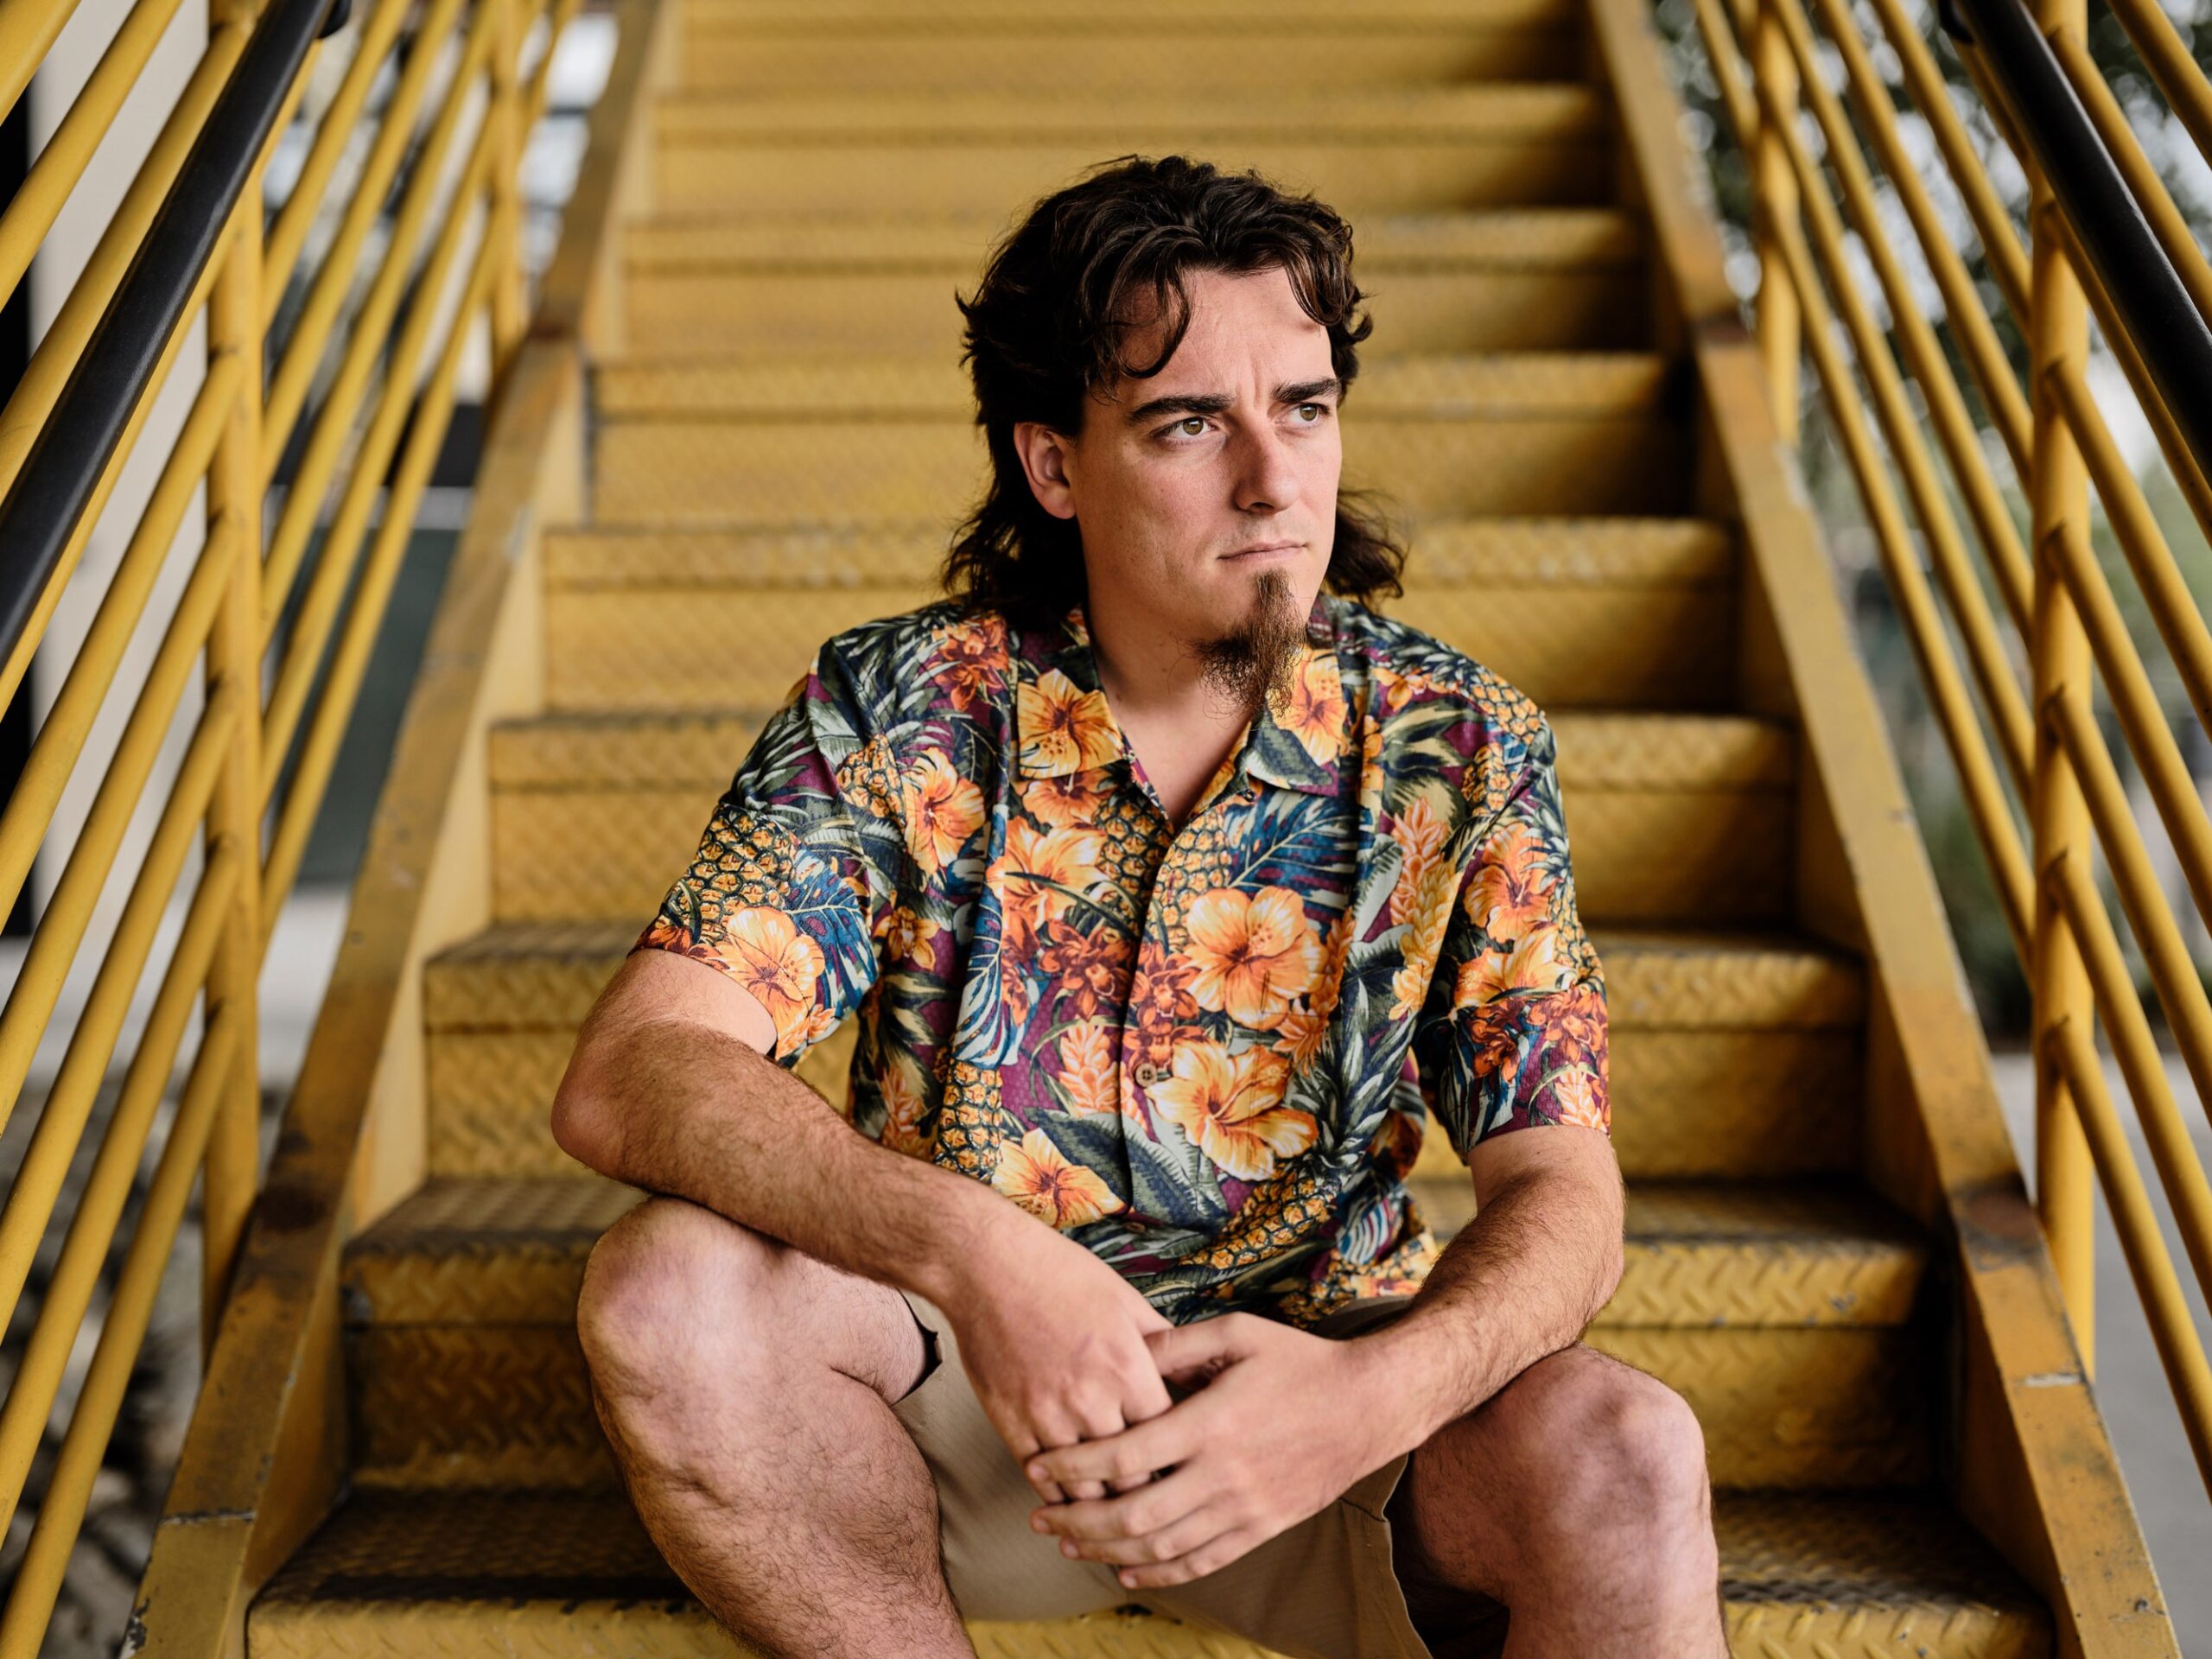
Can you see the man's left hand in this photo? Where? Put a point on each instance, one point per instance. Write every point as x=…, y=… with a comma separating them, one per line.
x=1282, y=1423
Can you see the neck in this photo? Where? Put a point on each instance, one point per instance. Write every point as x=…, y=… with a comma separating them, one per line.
x=1151, y=676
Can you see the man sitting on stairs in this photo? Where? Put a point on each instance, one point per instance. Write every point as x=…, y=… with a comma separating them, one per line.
x=1171, y=893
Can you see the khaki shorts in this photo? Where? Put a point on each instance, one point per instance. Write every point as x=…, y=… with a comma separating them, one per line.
x=1324, y=1589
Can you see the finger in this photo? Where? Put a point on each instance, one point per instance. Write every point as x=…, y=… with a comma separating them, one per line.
x=1025, y=1447
x=1140, y=1515
x=1157, y=1443
x=1208, y=1558
x=1174, y=1542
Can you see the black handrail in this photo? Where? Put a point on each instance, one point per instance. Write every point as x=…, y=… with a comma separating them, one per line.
x=59, y=475
x=2172, y=335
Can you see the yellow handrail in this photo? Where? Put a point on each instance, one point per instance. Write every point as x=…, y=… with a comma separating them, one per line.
x=384, y=407
x=2067, y=624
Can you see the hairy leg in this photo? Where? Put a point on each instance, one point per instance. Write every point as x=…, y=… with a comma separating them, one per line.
x=746, y=1388
x=1576, y=1497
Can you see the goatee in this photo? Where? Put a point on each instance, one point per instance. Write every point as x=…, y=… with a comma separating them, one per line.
x=1252, y=663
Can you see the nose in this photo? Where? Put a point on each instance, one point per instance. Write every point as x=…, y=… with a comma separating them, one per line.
x=1267, y=479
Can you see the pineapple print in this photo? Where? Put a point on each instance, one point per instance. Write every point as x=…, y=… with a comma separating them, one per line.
x=870, y=775
x=972, y=1126
x=1288, y=1208
x=1201, y=863
x=742, y=860
x=1133, y=840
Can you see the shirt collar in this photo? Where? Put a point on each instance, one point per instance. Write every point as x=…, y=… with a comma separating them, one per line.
x=1064, y=725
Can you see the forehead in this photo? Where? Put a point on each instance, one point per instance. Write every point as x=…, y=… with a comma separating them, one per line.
x=1249, y=320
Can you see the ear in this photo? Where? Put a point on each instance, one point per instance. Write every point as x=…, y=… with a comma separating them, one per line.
x=1048, y=458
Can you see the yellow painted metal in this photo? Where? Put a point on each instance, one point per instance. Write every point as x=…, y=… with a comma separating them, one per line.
x=350, y=661
x=69, y=910
x=2135, y=170
x=234, y=811
x=2058, y=818
x=62, y=159
x=1992, y=672
x=38, y=1579
x=2137, y=1223
x=319, y=313
x=63, y=342
x=2180, y=77
x=379, y=26
x=1963, y=309
x=30, y=1393
x=335, y=430
x=61, y=734
x=37, y=1185
x=1775, y=196
x=26, y=32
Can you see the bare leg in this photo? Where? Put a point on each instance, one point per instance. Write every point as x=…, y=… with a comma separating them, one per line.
x=744, y=1387
x=1577, y=1496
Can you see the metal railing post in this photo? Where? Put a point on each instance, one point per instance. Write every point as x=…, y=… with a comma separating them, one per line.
x=234, y=653
x=2059, y=663
x=510, y=304
x=1774, y=197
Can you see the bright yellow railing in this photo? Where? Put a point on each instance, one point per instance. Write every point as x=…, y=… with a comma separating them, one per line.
x=2026, y=753
x=472, y=84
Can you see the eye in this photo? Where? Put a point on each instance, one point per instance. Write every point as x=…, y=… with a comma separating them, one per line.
x=1320, y=410
x=1185, y=425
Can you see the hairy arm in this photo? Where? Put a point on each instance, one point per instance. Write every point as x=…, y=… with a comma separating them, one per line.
x=1522, y=1279
x=670, y=1089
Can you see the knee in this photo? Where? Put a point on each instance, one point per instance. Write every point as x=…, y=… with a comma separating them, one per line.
x=1611, y=1452
x=652, y=1286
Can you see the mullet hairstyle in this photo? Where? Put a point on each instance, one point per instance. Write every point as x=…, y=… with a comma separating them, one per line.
x=1047, y=324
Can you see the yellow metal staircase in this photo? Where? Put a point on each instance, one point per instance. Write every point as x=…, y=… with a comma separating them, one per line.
x=778, y=434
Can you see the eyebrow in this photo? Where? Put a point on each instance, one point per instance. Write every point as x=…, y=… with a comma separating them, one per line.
x=1215, y=402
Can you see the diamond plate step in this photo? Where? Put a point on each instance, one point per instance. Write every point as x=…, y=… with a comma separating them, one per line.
x=859, y=441
x=1608, y=613
x=556, y=1575
x=1779, y=1311
x=1404, y=149
x=1670, y=817
x=892, y=46
x=1536, y=280
x=1732, y=1054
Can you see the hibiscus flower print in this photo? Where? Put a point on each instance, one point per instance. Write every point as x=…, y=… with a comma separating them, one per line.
x=943, y=810
x=1231, y=1108
x=971, y=660
x=1510, y=891
x=1316, y=712
x=1531, y=964
x=1070, y=729
x=1253, y=952
x=1065, y=802
x=1061, y=1194
x=769, y=958
x=1030, y=875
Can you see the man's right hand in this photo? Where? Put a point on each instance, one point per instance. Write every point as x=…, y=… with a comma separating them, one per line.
x=1053, y=1339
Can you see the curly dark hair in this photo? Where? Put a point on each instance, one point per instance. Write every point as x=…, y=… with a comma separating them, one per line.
x=1048, y=322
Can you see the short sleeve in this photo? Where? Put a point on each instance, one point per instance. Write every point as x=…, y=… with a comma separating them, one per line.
x=797, y=868
x=1512, y=1033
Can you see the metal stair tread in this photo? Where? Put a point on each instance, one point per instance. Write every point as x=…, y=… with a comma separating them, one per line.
x=664, y=750
x=1478, y=552
x=806, y=243
x=1428, y=115
x=708, y=17
x=511, y=1249
x=555, y=1573
x=516, y=976
x=755, y=387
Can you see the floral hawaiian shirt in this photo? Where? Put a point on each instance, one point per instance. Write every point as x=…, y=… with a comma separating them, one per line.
x=1206, y=1053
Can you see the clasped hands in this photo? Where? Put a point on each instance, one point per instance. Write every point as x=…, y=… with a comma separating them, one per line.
x=1281, y=1422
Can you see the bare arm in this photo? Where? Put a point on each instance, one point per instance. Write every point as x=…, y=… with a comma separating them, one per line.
x=1522, y=1279
x=670, y=1089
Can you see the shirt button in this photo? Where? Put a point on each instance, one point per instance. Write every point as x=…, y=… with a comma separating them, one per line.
x=1147, y=1074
